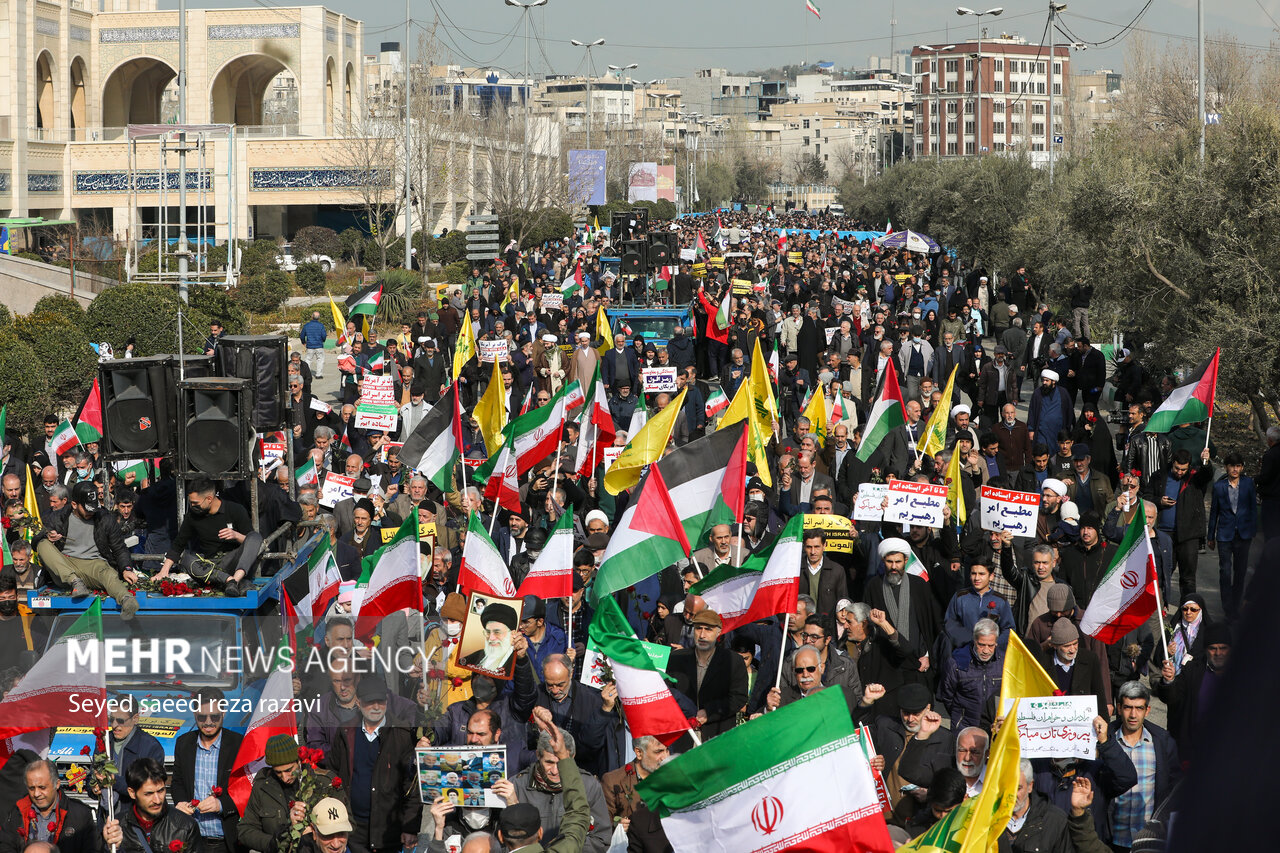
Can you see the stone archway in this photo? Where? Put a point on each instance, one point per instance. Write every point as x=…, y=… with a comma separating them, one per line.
x=134, y=92
x=46, y=99
x=349, y=94
x=78, y=114
x=330, y=85
x=239, y=88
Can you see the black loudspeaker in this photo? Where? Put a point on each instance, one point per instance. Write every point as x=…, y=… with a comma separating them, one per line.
x=618, y=227
x=193, y=367
x=608, y=252
x=641, y=217
x=263, y=360
x=640, y=248
x=632, y=264
x=215, y=428
x=660, y=250
x=137, y=404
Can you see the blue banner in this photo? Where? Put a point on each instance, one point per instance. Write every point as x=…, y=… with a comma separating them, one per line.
x=587, y=175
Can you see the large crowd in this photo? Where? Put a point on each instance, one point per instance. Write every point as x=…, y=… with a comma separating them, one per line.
x=910, y=623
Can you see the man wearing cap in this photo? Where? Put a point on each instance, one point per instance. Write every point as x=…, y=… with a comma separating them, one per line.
x=330, y=826
x=375, y=760
x=1052, y=494
x=1050, y=409
x=1085, y=562
x=907, y=601
x=1076, y=671
x=520, y=825
x=273, y=805
x=584, y=362
x=961, y=425
x=82, y=546
x=913, y=745
x=1089, y=489
x=500, y=622
x=712, y=676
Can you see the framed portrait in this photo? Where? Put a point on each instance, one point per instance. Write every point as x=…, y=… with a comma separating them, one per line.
x=486, y=644
x=464, y=775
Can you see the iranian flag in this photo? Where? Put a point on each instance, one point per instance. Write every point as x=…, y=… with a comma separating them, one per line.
x=498, y=474
x=435, y=445
x=915, y=567
x=364, y=301
x=323, y=580
x=886, y=415
x=688, y=480
x=88, y=419
x=837, y=407
x=1126, y=595
x=551, y=575
x=795, y=779
x=536, y=435
x=483, y=569
x=717, y=402
x=590, y=452
x=714, y=331
x=393, y=584
x=306, y=475
x=272, y=715
x=1190, y=403
x=650, y=708
x=766, y=584
x=888, y=227
x=63, y=687
x=379, y=361
x=65, y=438
x=573, y=397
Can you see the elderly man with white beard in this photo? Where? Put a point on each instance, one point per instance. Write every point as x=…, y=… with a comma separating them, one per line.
x=971, y=759
x=908, y=602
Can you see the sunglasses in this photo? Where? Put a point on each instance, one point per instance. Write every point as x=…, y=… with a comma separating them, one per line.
x=1190, y=608
x=121, y=721
x=208, y=718
x=800, y=670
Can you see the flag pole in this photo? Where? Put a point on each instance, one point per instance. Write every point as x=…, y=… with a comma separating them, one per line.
x=1208, y=429
x=1164, y=638
x=568, y=622
x=786, y=629
x=110, y=792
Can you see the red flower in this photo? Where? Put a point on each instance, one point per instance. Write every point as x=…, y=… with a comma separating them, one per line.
x=195, y=803
x=84, y=750
x=991, y=605
x=337, y=782
x=215, y=791
x=1058, y=693
x=175, y=846
x=53, y=826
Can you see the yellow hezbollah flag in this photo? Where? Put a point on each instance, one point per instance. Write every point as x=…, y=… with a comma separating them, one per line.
x=1023, y=675
x=466, y=348
x=491, y=411
x=817, y=414
x=603, y=332
x=934, y=437
x=942, y=837
x=762, y=394
x=955, y=490
x=339, y=324
x=644, y=449
x=741, y=408
x=994, y=806
x=29, y=502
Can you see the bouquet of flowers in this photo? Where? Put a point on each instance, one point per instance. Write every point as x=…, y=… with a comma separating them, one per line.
x=311, y=786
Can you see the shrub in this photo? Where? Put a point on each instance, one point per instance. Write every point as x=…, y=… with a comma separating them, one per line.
x=258, y=258
x=30, y=256
x=63, y=306
x=447, y=249
x=400, y=290
x=316, y=240
x=62, y=353
x=457, y=272
x=217, y=304
x=25, y=390
x=6, y=317
x=149, y=314
x=311, y=278
x=264, y=292
x=351, y=241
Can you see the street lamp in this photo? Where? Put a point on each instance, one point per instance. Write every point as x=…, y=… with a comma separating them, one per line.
x=996, y=12
x=937, y=92
x=588, y=46
x=622, y=93
x=524, y=13
x=1054, y=9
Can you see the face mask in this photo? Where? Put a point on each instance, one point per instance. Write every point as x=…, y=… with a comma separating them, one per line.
x=198, y=511
x=8, y=608
x=451, y=628
x=756, y=496
x=476, y=818
x=916, y=340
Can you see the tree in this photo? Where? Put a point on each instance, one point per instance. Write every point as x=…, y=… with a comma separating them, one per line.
x=316, y=240
x=149, y=314
x=809, y=169
x=26, y=391
x=715, y=185
x=62, y=351
x=368, y=147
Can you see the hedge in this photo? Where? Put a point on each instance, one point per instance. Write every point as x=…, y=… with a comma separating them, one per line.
x=311, y=277
x=149, y=314
x=263, y=292
x=62, y=353
x=26, y=391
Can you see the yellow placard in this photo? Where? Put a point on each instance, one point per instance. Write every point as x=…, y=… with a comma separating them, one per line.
x=700, y=270
x=838, y=528
x=741, y=286
x=425, y=529
x=718, y=263
x=795, y=257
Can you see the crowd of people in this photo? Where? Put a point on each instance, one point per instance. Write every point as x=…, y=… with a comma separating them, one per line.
x=912, y=624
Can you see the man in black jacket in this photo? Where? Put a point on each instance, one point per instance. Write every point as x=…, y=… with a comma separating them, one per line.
x=150, y=826
x=721, y=692
x=84, y=548
x=202, y=762
x=46, y=815
x=1179, y=494
x=216, y=530
x=1076, y=671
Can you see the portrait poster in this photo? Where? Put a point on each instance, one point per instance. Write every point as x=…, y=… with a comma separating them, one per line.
x=463, y=774
x=487, y=636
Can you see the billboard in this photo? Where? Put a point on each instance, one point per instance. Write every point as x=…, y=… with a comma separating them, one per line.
x=587, y=175
x=667, y=183
x=642, y=182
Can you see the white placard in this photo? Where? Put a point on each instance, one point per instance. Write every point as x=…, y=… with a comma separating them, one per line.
x=688, y=254
x=552, y=301
x=273, y=450
x=869, y=503
x=489, y=350
x=1003, y=509
x=378, y=390
x=610, y=455
x=1057, y=726
x=659, y=380
x=831, y=333
x=916, y=503
x=336, y=488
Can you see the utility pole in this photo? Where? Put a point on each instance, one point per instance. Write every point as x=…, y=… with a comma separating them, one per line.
x=961, y=10
x=1200, y=72
x=408, y=145
x=184, y=264
x=590, y=105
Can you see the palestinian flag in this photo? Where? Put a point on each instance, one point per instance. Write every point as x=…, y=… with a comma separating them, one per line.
x=483, y=569
x=551, y=575
x=714, y=331
x=272, y=715
x=765, y=585
x=597, y=416
x=124, y=467
x=574, y=282
x=88, y=419
x=689, y=481
x=1190, y=403
x=647, y=702
x=795, y=779
x=393, y=584
x=1126, y=594
x=306, y=475
x=435, y=445
x=886, y=415
x=65, y=438
x=725, y=309
x=717, y=402
x=60, y=690
x=701, y=249
x=364, y=301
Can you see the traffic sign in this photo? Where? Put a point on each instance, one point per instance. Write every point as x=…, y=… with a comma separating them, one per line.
x=481, y=256
x=482, y=226
x=1057, y=139
x=1213, y=118
x=482, y=247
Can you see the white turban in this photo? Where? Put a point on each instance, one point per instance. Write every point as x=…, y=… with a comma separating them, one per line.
x=1049, y=374
x=1058, y=487
x=893, y=545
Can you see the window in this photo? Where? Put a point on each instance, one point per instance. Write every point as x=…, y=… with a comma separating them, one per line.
x=953, y=65
x=968, y=148
x=1016, y=129
x=968, y=66
x=999, y=85
x=951, y=85
x=1057, y=69
x=806, y=140
x=919, y=66
x=968, y=108
x=1037, y=128
x=968, y=128
x=951, y=128
x=1037, y=146
x=997, y=107
x=968, y=85
x=951, y=108
x=1024, y=66
x=1037, y=109
x=997, y=128
x=999, y=64
x=817, y=149
x=1057, y=88
x=1039, y=67
x=951, y=149
x=933, y=128
x=806, y=124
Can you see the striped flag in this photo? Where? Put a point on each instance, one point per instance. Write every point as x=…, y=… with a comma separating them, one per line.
x=364, y=301
x=483, y=569
x=886, y=415
x=717, y=402
x=1126, y=594
x=65, y=438
x=551, y=575
x=88, y=419
x=765, y=585
x=272, y=715
x=1189, y=403
x=306, y=475
x=393, y=584
x=435, y=445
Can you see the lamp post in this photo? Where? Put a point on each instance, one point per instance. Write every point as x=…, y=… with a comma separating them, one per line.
x=622, y=94
x=528, y=88
x=996, y=12
x=588, y=46
x=1054, y=9
x=937, y=92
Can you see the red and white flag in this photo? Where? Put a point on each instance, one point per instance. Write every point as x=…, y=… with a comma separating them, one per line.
x=1127, y=594
x=483, y=569
x=272, y=715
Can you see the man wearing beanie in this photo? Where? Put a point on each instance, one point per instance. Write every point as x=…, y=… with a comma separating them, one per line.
x=1085, y=562
x=273, y=804
x=1062, y=603
x=1076, y=671
x=1198, y=680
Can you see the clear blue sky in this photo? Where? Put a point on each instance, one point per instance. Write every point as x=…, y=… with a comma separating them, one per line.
x=669, y=38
